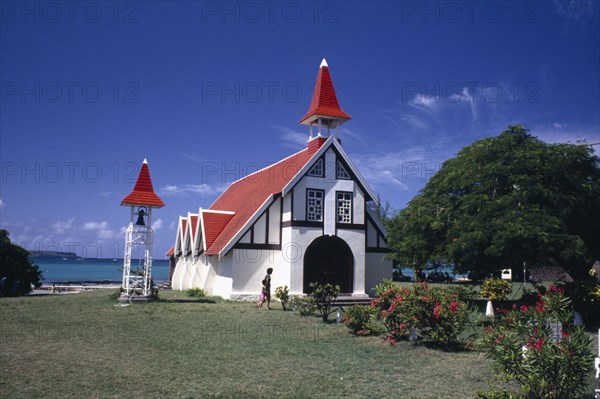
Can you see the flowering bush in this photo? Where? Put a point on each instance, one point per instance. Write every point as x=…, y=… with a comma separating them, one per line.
x=538, y=347
x=383, y=286
x=437, y=316
x=358, y=319
x=495, y=289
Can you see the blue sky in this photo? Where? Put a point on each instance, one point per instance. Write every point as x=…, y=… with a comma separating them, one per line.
x=209, y=91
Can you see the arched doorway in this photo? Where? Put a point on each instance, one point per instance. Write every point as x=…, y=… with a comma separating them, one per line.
x=328, y=259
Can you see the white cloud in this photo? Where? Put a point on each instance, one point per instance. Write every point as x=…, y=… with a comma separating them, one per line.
x=172, y=225
x=194, y=189
x=106, y=234
x=157, y=224
x=575, y=9
x=293, y=138
x=1, y=203
x=60, y=227
x=96, y=226
x=415, y=122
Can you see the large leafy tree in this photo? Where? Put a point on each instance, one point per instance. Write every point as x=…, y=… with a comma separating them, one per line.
x=17, y=273
x=503, y=201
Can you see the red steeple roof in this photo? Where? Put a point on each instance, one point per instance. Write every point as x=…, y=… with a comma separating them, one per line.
x=143, y=192
x=324, y=103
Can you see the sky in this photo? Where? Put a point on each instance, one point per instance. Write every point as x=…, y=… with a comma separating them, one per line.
x=209, y=91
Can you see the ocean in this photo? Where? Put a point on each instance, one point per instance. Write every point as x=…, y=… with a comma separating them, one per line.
x=59, y=270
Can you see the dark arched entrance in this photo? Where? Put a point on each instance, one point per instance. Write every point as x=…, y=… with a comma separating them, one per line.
x=328, y=259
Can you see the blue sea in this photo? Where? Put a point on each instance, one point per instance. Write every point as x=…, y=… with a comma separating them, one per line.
x=59, y=270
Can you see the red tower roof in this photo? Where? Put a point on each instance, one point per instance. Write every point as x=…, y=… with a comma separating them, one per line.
x=324, y=103
x=143, y=192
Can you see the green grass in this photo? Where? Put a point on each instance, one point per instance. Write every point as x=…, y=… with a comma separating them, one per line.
x=83, y=346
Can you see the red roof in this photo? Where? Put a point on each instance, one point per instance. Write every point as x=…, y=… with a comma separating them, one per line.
x=171, y=252
x=193, y=226
x=246, y=196
x=143, y=192
x=324, y=101
x=214, y=223
x=183, y=228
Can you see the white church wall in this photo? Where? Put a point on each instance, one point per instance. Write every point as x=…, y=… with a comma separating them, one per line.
x=356, y=242
x=178, y=274
x=260, y=230
x=274, y=221
x=287, y=209
x=371, y=235
x=293, y=253
x=249, y=266
x=246, y=239
x=220, y=282
x=378, y=268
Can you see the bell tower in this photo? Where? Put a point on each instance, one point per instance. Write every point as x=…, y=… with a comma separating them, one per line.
x=137, y=273
x=324, y=111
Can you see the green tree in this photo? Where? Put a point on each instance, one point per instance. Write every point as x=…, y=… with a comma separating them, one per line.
x=503, y=201
x=17, y=273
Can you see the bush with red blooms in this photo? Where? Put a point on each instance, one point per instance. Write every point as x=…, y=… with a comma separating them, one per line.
x=436, y=316
x=539, y=348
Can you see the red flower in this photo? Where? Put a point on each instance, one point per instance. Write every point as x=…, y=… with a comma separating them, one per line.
x=566, y=334
x=499, y=338
x=539, y=306
x=537, y=344
x=524, y=308
x=557, y=290
x=392, y=307
x=391, y=340
x=454, y=307
x=437, y=310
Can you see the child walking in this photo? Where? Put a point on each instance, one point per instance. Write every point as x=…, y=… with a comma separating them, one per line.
x=265, y=293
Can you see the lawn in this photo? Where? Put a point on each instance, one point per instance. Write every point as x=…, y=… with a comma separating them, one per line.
x=83, y=346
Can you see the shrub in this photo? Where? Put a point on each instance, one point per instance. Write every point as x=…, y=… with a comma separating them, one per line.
x=322, y=297
x=283, y=294
x=196, y=293
x=585, y=297
x=495, y=289
x=539, y=348
x=358, y=319
x=385, y=285
x=303, y=305
x=437, y=316
x=17, y=273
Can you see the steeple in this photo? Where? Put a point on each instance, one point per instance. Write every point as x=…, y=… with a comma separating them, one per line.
x=137, y=283
x=143, y=192
x=324, y=110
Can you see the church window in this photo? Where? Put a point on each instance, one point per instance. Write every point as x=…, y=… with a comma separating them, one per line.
x=317, y=170
x=314, y=205
x=340, y=172
x=344, y=207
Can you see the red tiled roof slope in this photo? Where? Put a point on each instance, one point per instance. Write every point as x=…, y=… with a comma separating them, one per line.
x=214, y=223
x=143, y=192
x=183, y=230
x=171, y=252
x=324, y=100
x=245, y=196
x=194, y=223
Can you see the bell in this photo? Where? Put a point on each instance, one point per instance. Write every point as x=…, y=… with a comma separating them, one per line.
x=141, y=213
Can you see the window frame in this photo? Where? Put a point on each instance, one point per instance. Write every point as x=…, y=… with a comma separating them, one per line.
x=315, y=190
x=337, y=207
